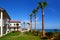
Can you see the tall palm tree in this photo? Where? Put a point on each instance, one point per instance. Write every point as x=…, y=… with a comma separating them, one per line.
x=42, y=6
x=34, y=13
x=30, y=22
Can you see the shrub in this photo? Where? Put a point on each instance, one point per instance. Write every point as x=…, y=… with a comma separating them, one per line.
x=28, y=33
x=29, y=30
x=56, y=32
x=35, y=33
x=49, y=34
x=43, y=38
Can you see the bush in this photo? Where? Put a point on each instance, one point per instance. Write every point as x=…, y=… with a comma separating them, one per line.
x=56, y=32
x=28, y=33
x=29, y=30
x=57, y=37
x=49, y=34
x=35, y=33
x=43, y=38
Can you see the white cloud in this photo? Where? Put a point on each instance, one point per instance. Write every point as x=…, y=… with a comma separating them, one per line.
x=38, y=24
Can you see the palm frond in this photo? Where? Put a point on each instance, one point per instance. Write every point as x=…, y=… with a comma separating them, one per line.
x=42, y=4
x=39, y=4
x=35, y=11
x=28, y=23
x=37, y=8
x=30, y=14
x=45, y=3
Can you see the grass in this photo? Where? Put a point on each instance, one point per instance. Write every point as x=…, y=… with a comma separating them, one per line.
x=19, y=36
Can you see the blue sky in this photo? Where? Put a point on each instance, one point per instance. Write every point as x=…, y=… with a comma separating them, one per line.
x=20, y=10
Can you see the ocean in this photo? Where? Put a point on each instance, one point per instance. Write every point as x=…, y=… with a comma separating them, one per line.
x=49, y=30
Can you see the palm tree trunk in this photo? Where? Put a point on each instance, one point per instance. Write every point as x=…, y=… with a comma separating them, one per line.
x=35, y=22
x=43, y=33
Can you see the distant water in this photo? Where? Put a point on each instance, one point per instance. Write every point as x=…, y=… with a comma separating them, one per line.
x=49, y=30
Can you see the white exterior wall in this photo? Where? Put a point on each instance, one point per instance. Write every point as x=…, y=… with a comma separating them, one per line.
x=0, y=22
x=7, y=22
x=12, y=25
x=3, y=25
x=0, y=26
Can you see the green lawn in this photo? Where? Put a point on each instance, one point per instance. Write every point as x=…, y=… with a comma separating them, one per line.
x=19, y=36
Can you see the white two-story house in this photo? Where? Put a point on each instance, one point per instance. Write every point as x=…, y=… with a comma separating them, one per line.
x=4, y=22
x=15, y=25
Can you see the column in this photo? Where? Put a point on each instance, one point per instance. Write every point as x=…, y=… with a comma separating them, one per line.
x=7, y=29
x=1, y=23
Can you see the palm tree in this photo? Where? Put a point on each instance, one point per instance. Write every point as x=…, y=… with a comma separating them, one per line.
x=30, y=22
x=24, y=24
x=29, y=25
x=42, y=6
x=34, y=13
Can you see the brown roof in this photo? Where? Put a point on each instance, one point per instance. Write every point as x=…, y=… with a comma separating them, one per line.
x=5, y=14
x=14, y=21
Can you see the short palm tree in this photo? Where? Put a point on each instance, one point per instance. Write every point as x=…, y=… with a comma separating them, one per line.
x=34, y=13
x=24, y=24
x=30, y=22
x=29, y=25
x=42, y=6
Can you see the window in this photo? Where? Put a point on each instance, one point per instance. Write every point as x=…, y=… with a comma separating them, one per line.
x=17, y=24
x=10, y=24
x=14, y=24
